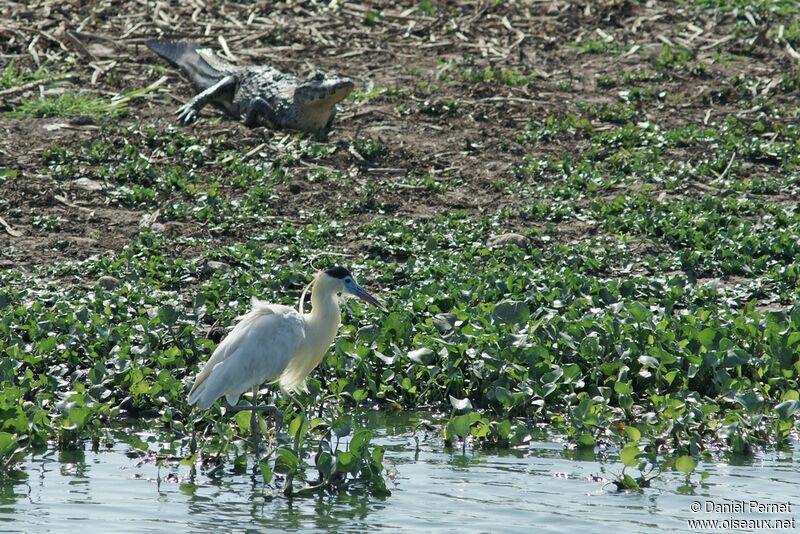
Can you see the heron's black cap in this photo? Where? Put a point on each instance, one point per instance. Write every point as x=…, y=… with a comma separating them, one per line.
x=338, y=272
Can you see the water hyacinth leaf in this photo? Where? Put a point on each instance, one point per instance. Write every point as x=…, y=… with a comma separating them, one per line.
x=586, y=440
x=444, y=322
x=342, y=430
x=345, y=462
x=685, y=464
x=787, y=409
x=504, y=396
x=168, y=314
x=460, y=425
x=460, y=405
x=504, y=429
x=242, y=419
x=377, y=455
x=582, y=411
x=8, y=443
x=751, y=401
x=633, y=433
x=359, y=441
x=75, y=418
x=629, y=482
x=511, y=312
x=423, y=356
x=629, y=453
x=639, y=312
x=553, y=376
x=707, y=337
x=325, y=464
x=285, y=460
x=623, y=388
x=369, y=333
x=266, y=472
x=298, y=427
x=648, y=361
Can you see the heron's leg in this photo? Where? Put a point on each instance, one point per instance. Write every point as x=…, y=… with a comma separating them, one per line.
x=272, y=409
x=254, y=422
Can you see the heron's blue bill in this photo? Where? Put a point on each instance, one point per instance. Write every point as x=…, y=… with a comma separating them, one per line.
x=358, y=291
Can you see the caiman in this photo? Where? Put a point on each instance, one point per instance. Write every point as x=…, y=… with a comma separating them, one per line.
x=258, y=95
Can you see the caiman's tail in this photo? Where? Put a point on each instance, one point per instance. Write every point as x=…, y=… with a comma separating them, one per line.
x=185, y=56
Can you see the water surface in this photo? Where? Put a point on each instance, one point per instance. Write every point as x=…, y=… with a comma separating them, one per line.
x=544, y=488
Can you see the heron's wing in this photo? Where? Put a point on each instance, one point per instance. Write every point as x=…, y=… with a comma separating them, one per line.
x=257, y=349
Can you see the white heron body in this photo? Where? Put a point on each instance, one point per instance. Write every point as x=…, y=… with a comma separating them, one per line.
x=276, y=342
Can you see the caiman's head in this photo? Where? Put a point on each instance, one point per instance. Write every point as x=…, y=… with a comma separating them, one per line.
x=315, y=99
x=323, y=90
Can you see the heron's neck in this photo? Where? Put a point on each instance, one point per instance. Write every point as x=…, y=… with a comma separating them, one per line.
x=325, y=317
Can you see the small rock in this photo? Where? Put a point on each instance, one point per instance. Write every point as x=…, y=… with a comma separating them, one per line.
x=212, y=266
x=107, y=282
x=87, y=184
x=503, y=240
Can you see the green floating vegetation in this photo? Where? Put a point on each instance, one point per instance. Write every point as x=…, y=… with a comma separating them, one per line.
x=525, y=338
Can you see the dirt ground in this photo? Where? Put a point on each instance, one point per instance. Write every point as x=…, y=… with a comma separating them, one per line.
x=378, y=44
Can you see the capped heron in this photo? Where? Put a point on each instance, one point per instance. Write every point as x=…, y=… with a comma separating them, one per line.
x=274, y=341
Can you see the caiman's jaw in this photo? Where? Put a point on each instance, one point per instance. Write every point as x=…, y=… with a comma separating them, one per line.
x=316, y=98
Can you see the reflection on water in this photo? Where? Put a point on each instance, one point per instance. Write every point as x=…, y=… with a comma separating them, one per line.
x=544, y=488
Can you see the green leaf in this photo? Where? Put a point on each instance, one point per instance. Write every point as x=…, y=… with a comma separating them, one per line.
x=266, y=472
x=460, y=405
x=76, y=418
x=242, y=419
x=633, y=433
x=168, y=314
x=629, y=482
x=325, y=464
x=504, y=429
x=286, y=460
x=639, y=311
x=298, y=426
x=504, y=396
x=511, y=312
x=345, y=462
x=423, y=356
x=377, y=455
x=459, y=425
x=629, y=453
x=359, y=441
x=685, y=464
x=787, y=409
x=707, y=337
x=648, y=361
x=623, y=388
x=8, y=443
